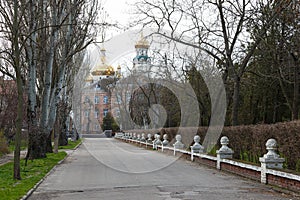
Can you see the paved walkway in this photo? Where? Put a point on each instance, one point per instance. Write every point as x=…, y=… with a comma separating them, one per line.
x=111, y=170
x=10, y=157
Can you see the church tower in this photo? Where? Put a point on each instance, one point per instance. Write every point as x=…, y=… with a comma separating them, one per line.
x=103, y=70
x=141, y=60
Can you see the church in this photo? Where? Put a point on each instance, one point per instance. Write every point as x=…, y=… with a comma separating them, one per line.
x=97, y=101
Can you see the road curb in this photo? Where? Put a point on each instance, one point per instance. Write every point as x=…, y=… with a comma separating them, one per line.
x=76, y=147
x=29, y=193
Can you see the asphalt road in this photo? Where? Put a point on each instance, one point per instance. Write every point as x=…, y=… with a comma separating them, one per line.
x=104, y=168
x=102, y=135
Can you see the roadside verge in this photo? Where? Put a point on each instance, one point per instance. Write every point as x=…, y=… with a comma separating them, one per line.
x=33, y=174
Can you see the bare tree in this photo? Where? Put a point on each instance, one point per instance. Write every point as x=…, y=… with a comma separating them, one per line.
x=49, y=35
x=11, y=17
x=70, y=33
x=217, y=28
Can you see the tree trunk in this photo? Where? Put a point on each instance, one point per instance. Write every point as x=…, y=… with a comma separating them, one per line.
x=56, y=94
x=295, y=111
x=32, y=58
x=63, y=140
x=48, y=82
x=236, y=100
x=19, y=121
x=36, y=144
x=49, y=143
x=56, y=139
x=16, y=54
x=44, y=122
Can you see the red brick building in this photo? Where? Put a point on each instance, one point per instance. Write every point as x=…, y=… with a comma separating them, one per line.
x=96, y=98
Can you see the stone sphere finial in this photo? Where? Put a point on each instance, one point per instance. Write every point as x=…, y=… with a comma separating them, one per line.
x=224, y=140
x=271, y=146
x=165, y=141
x=157, y=139
x=197, y=139
x=178, y=138
x=225, y=151
x=178, y=144
x=165, y=137
x=197, y=147
x=157, y=136
x=143, y=139
x=149, y=137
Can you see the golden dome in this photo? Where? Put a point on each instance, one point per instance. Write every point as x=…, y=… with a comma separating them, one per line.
x=103, y=68
x=99, y=70
x=109, y=71
x=142, y=43
x=89, y=78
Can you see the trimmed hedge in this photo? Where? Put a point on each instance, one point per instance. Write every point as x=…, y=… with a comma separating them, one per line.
x=248, y=142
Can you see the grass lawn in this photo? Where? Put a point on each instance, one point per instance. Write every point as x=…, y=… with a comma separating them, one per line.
x=71, y=144
x=31, y=174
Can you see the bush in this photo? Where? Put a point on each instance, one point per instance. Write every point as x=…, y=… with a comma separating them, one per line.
x=249, y=141
x=3, y=144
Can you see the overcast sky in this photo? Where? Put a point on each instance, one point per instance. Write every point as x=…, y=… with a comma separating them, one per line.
x=120, y=45
x=118, y=10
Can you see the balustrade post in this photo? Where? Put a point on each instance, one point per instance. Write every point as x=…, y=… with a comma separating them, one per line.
x=270, y=160
x=224, y=151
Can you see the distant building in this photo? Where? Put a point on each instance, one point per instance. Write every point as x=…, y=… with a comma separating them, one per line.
x=97, y=100
x=141, y=61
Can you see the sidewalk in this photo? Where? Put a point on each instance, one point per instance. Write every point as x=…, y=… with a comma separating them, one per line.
x=10, y=157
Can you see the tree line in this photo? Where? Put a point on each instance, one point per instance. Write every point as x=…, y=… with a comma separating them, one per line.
x=42, y=47
x=254, y=44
